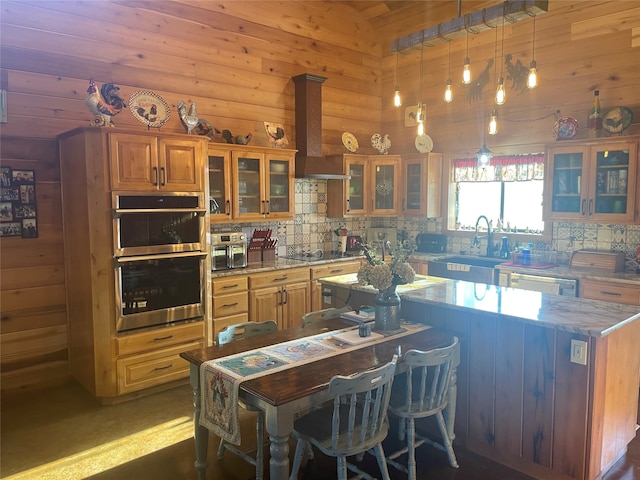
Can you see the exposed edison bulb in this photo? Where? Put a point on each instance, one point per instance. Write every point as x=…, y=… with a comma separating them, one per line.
x=419, y=113
x=448, y=93
x=397, y=101
x=466, y=71
x=501, y=94
x=532, y=79
x=420, y=129
x=493, y=123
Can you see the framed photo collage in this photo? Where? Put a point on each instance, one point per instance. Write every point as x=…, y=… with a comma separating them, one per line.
x=18, y=213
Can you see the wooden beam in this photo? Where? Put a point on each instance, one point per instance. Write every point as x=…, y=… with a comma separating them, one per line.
x=474, y=22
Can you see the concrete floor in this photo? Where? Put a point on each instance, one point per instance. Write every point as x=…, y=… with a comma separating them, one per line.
x=62, y=433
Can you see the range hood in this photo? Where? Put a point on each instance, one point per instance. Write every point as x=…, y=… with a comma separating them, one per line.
x=309, y=160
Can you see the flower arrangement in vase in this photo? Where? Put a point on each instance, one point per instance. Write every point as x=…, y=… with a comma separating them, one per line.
x=385, y=277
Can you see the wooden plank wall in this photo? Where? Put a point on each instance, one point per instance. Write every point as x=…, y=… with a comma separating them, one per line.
x=580, y=46
x=236, y=60
x=32, y=287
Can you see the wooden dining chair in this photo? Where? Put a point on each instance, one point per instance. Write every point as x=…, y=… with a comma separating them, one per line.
x=233, y=333
x=318, y=315
x=424, y=393
x=355, y=423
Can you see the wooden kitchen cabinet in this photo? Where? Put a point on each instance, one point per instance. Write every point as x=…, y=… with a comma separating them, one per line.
x=230, y=302
x=93, y=163
x=421, y=181
x=145, y=162
x=323, y=271
x=373, y=188
x=282, y=296
x=420, y=266
x=594, y=181
x=250, y=183
x=610, y=291
x=152, y=357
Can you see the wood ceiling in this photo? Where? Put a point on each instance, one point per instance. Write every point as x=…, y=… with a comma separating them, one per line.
x=397, y=18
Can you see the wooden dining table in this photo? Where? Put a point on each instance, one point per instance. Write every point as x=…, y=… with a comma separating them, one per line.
x=283, y=393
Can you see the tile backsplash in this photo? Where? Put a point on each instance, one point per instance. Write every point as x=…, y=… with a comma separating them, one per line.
x=311, y=230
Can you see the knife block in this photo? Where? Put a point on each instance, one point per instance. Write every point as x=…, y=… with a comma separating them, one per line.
x=268, y=254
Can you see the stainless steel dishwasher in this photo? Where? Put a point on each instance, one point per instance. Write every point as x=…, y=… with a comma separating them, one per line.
x=567, y=287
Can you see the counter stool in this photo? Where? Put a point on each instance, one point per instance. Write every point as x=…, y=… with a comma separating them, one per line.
x=318, y=315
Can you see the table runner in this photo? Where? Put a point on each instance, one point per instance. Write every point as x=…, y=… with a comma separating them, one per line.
x=220, y=379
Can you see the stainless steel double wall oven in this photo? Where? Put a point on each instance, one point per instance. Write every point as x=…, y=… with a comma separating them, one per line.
x=159, y=246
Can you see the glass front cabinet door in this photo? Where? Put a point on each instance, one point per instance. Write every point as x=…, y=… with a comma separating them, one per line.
x=279, y=194
x=384, y=185
x=219, y=185
x=591, y=182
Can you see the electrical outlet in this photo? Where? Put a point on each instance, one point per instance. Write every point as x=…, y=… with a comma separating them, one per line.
x=326, y=296
x=578, y=352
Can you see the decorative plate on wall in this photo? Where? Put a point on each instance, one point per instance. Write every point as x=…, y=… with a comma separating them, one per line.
x=565, y=128
x=617, y=120
x=149, y=108
x=350, y=142
x=424, y=144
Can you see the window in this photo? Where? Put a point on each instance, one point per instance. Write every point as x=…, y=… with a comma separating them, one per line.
x=509, y=192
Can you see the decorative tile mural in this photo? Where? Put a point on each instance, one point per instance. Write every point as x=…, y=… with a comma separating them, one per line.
x=312, y=230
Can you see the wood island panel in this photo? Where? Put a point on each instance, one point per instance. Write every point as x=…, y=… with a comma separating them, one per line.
x=520, y=400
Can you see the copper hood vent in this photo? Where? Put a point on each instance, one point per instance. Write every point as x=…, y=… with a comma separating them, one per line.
x=309, y=160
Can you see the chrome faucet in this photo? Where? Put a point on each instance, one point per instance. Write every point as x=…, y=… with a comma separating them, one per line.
x=476, y=238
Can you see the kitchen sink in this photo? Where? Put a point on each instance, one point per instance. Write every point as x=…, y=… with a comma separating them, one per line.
x=471, y=269
x=474, y=261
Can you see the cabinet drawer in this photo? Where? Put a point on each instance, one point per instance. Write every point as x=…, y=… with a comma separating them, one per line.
x=610, y=292
x=149, y=369
x=224, y=305
x=225, y=285
x=159, y=338
x=280, y=277
x=332, y=269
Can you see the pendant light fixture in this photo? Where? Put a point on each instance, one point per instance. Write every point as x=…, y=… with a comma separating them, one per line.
x=484, y=155
x=397, y=101
x=501, y=94
x=448, y=93
x=493, y=122
x=420, y=114
x=466, y=68
x=532, y=79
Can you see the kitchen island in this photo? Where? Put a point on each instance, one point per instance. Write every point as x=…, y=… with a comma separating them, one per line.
x=522, y=398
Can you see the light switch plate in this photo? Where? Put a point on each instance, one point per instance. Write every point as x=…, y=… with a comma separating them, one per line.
x=578, y=352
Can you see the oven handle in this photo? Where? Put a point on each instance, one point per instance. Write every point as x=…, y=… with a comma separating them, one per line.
x=162, y=256
x=118, y=212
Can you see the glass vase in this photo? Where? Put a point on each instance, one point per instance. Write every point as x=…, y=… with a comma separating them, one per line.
x=387, y=309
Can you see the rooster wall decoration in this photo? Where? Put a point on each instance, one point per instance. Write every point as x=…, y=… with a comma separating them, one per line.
x=517, y=73
x=474, y=89
x=382, y=145
x=193, y=123
x=105, y=104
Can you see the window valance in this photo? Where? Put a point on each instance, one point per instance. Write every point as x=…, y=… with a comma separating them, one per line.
x=508, y=168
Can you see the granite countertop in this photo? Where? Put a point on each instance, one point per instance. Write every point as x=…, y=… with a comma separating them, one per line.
x=279, y=263
x=583, y=316
x=559, y=271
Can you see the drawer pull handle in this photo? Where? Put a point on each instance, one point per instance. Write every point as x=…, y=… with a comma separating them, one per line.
x=231, y=286
x=615, y=294
x=337, y=270
x=166, y=367
x=280, y=279
x=230, y=304
x=160, y=339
